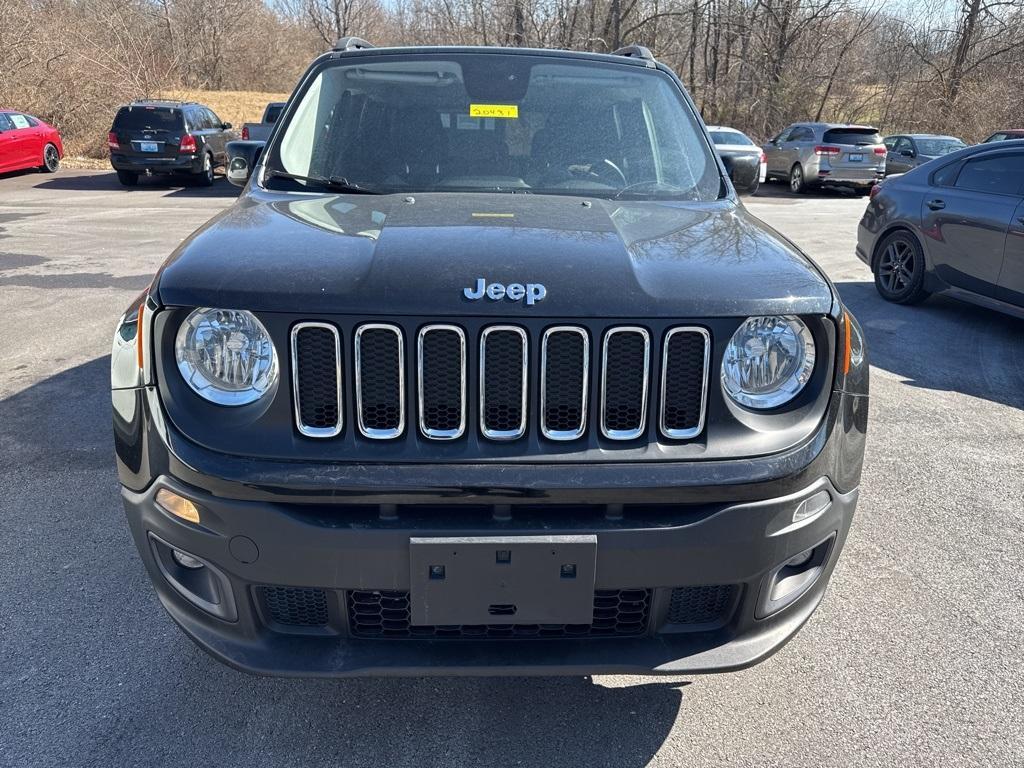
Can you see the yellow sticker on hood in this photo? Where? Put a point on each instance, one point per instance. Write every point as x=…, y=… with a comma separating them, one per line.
x=494, y=110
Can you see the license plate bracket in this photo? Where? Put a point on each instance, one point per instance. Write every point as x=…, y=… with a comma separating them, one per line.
x=502, y=580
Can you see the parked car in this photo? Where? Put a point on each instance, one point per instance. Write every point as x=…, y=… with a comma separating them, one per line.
x=383, y=416
x=1008, y=135
x=953, y=226
x=165, y=137
x=810, y=155
x=261, y=131
x=906, y=151
x=743, y=159
x=28, y=142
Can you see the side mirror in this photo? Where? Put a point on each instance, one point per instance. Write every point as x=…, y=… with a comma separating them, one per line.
x=243, y=157
x=908, y=153
x=225, y=126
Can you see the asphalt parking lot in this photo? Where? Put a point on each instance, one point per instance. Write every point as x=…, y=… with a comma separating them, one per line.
x=914, y=657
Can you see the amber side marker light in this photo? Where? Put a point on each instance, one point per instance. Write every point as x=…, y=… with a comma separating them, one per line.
x=139, y=343
x=847, y=345
x=177, y=505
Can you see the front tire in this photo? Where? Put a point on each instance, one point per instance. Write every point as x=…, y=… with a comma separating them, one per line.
x=206, y=177
x=899, y=269
x=797, y=184
x=128, y=178
x=51, y=159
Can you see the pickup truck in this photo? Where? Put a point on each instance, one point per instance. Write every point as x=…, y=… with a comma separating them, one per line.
x=261, y=131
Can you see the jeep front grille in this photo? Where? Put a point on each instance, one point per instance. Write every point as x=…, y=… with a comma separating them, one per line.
x=509, y=378
x=316, y=378
x=441, y=381
x=380, y=380
x=504, y=360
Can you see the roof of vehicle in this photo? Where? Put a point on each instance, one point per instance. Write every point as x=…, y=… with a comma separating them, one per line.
x=724, y=128
x=923, y=136
x=169, y=103
x=1008, y=130
x=830, y=126
x=631, y=54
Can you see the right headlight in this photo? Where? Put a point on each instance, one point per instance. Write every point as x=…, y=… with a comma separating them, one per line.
x=226, y=356
x=768, y=361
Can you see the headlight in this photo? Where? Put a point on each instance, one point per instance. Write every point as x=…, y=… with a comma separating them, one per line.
x=768, y=361
x=226, y=356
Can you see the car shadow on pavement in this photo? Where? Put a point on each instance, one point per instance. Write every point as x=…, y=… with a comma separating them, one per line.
x=107, y=182
x=96, y=673
x=943, y=344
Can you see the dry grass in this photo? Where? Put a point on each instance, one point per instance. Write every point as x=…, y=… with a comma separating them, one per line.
x=235, y=107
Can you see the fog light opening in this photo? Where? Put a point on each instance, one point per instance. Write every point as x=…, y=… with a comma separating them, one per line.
x=186, y=560
x=177, y=505
x=797, y=560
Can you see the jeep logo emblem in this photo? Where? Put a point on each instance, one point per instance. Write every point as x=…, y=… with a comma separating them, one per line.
x=532, y=292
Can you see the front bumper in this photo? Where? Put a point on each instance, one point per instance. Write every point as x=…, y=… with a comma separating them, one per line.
x=738, y=546
x=344, y=532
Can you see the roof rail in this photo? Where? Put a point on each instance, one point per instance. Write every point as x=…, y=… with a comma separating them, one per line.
x=635, y=51
x=351, y=44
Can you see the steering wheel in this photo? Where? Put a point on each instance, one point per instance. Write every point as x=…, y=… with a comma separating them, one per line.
x=603, y=170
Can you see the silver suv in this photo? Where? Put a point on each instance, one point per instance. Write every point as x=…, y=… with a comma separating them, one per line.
x=827, y=154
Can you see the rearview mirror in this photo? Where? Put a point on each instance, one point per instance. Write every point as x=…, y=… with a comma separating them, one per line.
x=243, y=157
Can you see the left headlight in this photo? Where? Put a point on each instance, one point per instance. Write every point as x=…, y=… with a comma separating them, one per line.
x=768, y=361
x=226, y=356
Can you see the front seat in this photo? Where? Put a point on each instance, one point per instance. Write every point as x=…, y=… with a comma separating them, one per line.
x=420, y=147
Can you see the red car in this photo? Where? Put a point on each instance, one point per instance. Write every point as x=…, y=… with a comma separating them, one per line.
x=28, y=142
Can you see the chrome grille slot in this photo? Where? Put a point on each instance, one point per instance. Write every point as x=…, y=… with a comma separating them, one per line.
x=503, y=387
x=316, y=379
x=684, y=382
x=380, y=380
x=625, y=370
x=441, y=351
x=564, y=381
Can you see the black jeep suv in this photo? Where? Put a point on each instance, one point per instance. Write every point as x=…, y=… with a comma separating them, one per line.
x=488, y=371
x=167, y=137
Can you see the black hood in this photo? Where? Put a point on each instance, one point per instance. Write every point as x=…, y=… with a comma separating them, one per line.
x=415, y=255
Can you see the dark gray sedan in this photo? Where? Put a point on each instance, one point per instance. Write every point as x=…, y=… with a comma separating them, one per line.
x=906, y=151
x=953, y=226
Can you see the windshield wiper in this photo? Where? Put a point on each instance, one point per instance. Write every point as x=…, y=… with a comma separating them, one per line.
x=332, y=183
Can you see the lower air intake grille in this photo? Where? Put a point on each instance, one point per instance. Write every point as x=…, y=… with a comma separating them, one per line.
x=704, y=605
x=295, y=606
x=617, y=613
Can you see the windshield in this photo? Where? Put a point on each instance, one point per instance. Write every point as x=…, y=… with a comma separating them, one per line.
x=938, y=147
x=496, y=122
x=148, y=118
x=730, y=137
x=854, y=136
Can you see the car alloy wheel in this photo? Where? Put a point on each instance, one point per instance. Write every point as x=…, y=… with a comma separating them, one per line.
x=896, y=266
x=899, y=270
x=796, y=179
x=51, y=158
